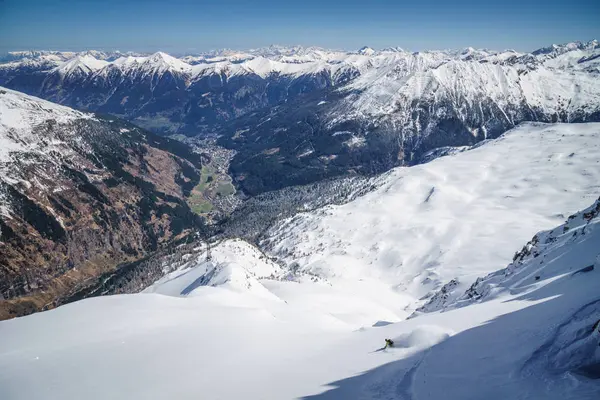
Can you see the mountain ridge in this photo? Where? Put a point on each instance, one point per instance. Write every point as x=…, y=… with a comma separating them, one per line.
x=81, y=194
x=309, y=113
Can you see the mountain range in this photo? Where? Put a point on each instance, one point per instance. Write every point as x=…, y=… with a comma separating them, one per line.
x=443, y=201
x=299, y=115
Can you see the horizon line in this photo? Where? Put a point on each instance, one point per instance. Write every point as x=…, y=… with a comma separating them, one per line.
x=193, y=51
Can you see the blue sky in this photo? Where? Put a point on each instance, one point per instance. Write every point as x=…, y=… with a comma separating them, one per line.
x=182, y=26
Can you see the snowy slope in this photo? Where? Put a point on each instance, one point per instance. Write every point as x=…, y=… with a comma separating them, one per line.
x=20, y=111
x=244, y=276
x=235, y=265
x=83, y=64
x=457, y=217
x=18, y=114
x=534, y=341
x=535, y=262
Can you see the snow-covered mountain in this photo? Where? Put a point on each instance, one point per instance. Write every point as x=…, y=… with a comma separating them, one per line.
x=80, y=194
x=189, y=95
x=62, y=56
x=234, y=265
x=535, y=262
x=300, y=114
x=401, y=105
x=449, y=220
x=528, y=331
x=297, y=63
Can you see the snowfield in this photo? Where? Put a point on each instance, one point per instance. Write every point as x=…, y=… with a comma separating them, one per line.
x=531, y=340
x=240, y=273
x=312, y=324
x=457, y=217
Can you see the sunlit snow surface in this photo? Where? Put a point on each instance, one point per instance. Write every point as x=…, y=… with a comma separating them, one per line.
x=235, y=328
x=459, y=216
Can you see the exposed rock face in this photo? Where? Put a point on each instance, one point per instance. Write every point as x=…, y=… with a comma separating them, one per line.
x=79, y=195
x=533, y=262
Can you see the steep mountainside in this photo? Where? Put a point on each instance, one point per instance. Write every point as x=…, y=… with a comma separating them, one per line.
x=80, y=194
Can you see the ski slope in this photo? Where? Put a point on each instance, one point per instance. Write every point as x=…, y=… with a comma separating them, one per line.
x=531, y=339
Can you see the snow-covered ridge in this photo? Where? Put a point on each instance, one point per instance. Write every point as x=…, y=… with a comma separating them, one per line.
x=535, y=261
x=296, y=60
x=19, y=114
x=408, y=94
x=233, y=264
x=536, y=264
x=29, y=137
x=62, y=55
x=85, y=64
x=473, y=85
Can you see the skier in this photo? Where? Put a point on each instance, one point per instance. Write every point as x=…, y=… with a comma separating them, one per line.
x=388, y=343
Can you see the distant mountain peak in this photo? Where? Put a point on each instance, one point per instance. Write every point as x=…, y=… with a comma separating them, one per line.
x=565, y=47
x=396, y=49
x=85, y=63
x=160, y=61
x=366, y=50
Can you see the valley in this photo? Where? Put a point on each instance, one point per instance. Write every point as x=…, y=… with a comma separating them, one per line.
x=215, y=191
x=259, y=224
x=301, y=115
